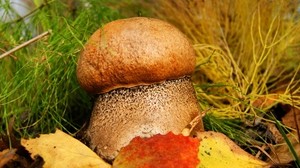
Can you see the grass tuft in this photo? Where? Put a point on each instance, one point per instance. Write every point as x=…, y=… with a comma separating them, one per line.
x=38, y=85
x=247, y=57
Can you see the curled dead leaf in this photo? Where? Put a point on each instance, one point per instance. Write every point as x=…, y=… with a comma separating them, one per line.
x=6, y=156
x=62, y=150
x=281, y=153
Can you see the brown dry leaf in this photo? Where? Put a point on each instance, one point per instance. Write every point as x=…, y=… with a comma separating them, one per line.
x=274, y=132
x=217, y=150
x=265, y=101
x=6, y=156
x=282, y=154
x=289, y=118
x=62, y=150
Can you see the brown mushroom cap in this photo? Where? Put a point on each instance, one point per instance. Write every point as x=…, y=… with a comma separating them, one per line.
x=132, y=52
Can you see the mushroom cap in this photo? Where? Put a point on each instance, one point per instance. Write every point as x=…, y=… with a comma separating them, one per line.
x=132, y=52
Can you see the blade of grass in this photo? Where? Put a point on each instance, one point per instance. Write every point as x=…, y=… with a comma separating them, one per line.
x=288, y=142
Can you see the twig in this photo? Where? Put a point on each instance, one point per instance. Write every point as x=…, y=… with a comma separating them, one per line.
x=25, y=44
x=14, y=57
x=30, y=13
x=45, y=3
x=194, y=123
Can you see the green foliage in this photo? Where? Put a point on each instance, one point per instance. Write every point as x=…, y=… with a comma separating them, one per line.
x=233, y=128
x=38, y=86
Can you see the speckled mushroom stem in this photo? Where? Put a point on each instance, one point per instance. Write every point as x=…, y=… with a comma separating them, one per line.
x=140, y=111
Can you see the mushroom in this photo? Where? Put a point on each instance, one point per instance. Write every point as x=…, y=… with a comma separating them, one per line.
x=141, y=68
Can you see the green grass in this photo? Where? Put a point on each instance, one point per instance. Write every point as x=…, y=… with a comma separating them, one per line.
x=38, y=85
x=288, y=142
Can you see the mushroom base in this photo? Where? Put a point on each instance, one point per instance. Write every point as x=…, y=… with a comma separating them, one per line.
x=122, y=114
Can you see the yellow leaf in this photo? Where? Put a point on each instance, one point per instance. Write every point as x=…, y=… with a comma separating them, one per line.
x=62, y=150
x=216, y=150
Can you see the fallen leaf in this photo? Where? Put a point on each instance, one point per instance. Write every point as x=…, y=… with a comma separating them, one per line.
x=6, y=156
x=292, y=118
x=266, y=101
x=62, y=150
x=161, y=151
x=282, y=154
x=13, y=154
x=274, y=132
x=217, y=150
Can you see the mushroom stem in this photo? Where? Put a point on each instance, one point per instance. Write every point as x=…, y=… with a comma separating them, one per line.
x=122, y=114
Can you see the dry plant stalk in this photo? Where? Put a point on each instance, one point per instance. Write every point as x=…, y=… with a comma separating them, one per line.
x=247, y=48
x=25, y=44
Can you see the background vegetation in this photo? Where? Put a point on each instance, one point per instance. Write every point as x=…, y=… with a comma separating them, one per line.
x=247, y=62
x=38, y=86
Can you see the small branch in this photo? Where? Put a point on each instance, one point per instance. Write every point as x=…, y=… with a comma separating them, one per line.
x=194, y=124
x=25, y=44
x=30, y=13
x=14, y=57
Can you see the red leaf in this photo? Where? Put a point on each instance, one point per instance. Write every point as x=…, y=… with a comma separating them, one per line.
x=163, y=151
